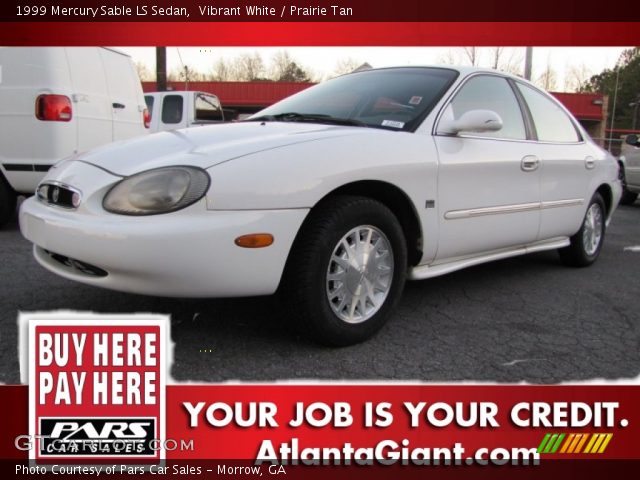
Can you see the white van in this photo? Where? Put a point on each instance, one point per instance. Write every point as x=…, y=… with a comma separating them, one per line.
x=172, y=110
x=56, y=102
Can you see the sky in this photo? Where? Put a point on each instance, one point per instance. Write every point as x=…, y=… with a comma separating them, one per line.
x=322, y=61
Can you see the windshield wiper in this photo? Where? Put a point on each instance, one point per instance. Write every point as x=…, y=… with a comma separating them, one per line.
x=308, y=117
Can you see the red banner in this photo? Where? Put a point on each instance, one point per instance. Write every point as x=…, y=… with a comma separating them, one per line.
x=319, y=10
x=317, y=34
x=379, y=429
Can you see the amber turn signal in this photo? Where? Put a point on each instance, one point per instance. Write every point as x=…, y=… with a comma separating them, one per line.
x=254, y=240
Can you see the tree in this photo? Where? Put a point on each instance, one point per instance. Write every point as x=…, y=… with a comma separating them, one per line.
x=285, y=69
x=627, y=73
x=293, y=73
x=507, y=60
x=346, y=65
x=450, y=57
x=248, y=67
x=185, y=74
x=279, y=63
x=576, y=78
x=496, y=55
x=472, y=54
x=221, y=71
x=547, y=79
x=144, y=72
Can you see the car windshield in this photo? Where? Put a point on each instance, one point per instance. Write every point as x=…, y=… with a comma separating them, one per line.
x=394, y=99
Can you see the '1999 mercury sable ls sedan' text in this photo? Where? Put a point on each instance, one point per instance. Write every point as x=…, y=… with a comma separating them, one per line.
x=333, y=197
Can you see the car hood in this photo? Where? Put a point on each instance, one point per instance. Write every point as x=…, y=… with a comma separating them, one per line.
x=208, y=146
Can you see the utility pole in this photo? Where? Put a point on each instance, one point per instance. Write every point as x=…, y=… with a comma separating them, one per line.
x=528, y=57
x=161, y=68
x=613, y=111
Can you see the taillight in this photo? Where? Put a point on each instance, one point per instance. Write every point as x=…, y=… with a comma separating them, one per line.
x=54, y=108
x=146, y=116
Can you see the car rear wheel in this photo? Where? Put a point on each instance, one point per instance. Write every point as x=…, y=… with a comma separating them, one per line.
x=346, y=270
x=8, y=199
x=585, y=245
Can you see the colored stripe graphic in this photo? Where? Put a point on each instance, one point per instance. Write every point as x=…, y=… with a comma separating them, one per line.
x=592, y=440
x=543, y=442
x=603, y=447
x=581, y=443
x=596, y=443
x=550, y=443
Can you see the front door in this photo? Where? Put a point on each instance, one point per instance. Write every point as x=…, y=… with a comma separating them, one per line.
x=488, y=183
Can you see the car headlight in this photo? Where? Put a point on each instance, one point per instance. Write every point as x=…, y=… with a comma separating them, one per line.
x=161, y=190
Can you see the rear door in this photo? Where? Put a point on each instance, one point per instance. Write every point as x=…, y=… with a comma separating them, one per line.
x=488, y=183
x=567, y=164
x=125, y=92
x=91, y=101
x=28, y=145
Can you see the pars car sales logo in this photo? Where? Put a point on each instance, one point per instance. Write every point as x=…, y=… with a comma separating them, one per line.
x=96, y=387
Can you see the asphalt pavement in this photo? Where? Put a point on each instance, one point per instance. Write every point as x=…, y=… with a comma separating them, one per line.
x=523, y=319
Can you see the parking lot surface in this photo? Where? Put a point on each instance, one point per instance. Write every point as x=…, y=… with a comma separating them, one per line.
x=522, y=319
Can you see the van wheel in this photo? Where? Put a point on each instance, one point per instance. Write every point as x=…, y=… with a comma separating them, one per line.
x=585, y=245
x=346, y=271
x=8, y=199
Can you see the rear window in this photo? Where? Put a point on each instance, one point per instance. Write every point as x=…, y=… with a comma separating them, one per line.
x=172, y=109
x=551, y=122
x=208, y=108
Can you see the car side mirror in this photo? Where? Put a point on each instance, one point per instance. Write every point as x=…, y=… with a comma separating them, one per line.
x=472, y=121
x=632, y=140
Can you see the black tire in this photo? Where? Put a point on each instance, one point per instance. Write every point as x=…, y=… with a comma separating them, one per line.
x=577, y=254
x=8, y=199
x=306, y=285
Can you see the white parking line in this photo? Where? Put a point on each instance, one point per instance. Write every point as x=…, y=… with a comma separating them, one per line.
x=523, y=360
x=634, y=248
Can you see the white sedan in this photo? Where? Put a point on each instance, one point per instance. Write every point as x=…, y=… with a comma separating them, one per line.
x=333, y=197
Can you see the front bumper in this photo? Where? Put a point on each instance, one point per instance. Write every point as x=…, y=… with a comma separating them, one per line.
x=190, y=253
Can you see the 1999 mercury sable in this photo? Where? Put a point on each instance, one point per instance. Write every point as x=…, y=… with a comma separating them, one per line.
x=333, y=196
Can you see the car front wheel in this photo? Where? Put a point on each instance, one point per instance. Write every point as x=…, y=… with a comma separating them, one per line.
x=585, y=245
x=346, y=270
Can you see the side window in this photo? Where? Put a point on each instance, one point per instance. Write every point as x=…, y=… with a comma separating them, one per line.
x=208, y=108
x=148, y=99
x=551, y=122
x=172, y=109
x=487, y=92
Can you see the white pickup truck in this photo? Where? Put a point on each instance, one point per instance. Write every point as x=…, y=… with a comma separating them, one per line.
x=182, y=109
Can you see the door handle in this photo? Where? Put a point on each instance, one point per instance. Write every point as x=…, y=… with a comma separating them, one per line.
x=529, y=163
x=117, y=105
x=589, y=163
